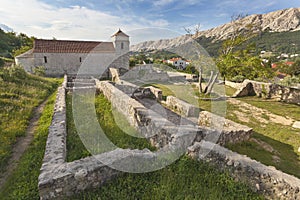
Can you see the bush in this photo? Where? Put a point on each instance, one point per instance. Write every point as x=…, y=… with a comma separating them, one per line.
x=40, y=71
x=238, y=79
x=290, y=81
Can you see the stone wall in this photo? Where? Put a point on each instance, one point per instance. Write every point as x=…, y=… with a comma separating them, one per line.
x=183, y=108
x=156, y=92
x=233, y=84
x=270, y=91
x=59, y=178
x=263, y=179
x=231, y=132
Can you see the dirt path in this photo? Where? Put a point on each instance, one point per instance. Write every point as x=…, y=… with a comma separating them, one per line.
x=22, y=144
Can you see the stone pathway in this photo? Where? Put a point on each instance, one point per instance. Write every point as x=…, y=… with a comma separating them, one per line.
x=22, y=144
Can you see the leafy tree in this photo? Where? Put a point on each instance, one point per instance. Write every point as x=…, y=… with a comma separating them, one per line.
x=234, y=62
x=12, y=44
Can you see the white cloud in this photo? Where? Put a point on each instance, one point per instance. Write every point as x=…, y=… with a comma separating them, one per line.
x=42, y=20
x=163, y=2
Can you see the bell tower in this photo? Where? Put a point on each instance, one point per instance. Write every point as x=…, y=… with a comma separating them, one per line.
x=121, y=42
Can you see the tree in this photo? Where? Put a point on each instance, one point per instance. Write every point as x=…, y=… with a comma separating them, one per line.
x=1, y=62
x=243, y=62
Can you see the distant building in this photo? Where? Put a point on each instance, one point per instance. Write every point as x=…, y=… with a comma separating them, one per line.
x=275, y=65
x=61, y=57
x=278, y=73
x=179, y=63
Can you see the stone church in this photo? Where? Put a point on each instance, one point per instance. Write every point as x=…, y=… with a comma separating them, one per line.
x=61, y=57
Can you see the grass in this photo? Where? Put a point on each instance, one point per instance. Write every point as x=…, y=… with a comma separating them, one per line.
x=23, y=183
x=184, y=179
x=20, y=93
x=276, y=107
x=114, y=131
x=285, y=140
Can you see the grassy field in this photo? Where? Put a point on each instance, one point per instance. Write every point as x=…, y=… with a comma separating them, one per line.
x=184, y=179
x=20, y=93
x=278, y=143
x=22, y=184
x=272, y=144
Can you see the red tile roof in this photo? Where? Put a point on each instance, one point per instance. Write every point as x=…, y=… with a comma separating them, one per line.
x=68, y=46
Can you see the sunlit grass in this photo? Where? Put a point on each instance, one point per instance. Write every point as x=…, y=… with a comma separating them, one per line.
x=20, y=93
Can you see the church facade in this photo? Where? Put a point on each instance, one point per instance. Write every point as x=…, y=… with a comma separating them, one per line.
x=60, y=57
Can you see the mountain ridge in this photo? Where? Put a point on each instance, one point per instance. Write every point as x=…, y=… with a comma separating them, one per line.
x=277, y=21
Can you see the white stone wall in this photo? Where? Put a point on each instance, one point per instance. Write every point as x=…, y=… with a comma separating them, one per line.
x=26, y=62
x=59, y=64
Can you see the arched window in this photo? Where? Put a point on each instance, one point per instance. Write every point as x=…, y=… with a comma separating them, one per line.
x=80, y=59
x=45, y=59
x=122, y=45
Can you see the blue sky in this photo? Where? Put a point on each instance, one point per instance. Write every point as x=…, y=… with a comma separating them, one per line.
x=97, y=20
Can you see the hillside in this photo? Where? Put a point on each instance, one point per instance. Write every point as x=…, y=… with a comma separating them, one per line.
x=20, y=93
x=10, y=42
x=281, y=27
x=277, y=42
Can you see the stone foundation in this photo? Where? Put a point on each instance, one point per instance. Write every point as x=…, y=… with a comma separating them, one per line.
x=181, y=107
x=59, y=179
x=231, y=132
x=266, y=180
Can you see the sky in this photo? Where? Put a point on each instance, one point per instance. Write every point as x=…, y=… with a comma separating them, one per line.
x=141, y=19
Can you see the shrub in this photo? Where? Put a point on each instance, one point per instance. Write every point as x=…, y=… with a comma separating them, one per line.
x=40, y=71
x=238, y=79
x=290, y=81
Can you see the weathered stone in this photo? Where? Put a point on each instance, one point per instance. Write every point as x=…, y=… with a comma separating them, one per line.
x=183, y=108
x=269, y=90
x=231, y=132
x=59, y=179
x=269, y=181
x=296, y=124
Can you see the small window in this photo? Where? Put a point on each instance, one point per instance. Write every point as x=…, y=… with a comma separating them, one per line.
x=122, y=45
x=80, y=59
x=45, y=59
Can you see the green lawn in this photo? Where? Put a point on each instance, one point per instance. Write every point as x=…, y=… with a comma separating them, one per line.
x=20, y=93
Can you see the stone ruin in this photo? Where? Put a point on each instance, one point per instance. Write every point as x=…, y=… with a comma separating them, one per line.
x=59, y=178
x=266, y=90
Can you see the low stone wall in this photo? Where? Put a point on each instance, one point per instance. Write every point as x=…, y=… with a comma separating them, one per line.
x=156, y=92
x=231, y=132
x=270, y=91
x=153, y=126
x=266, y=180
x=59, y=178
x=183, y=108
x=233, y=84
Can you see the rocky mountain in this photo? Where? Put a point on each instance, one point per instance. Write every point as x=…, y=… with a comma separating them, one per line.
x=278, y=21
x=6, y=28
